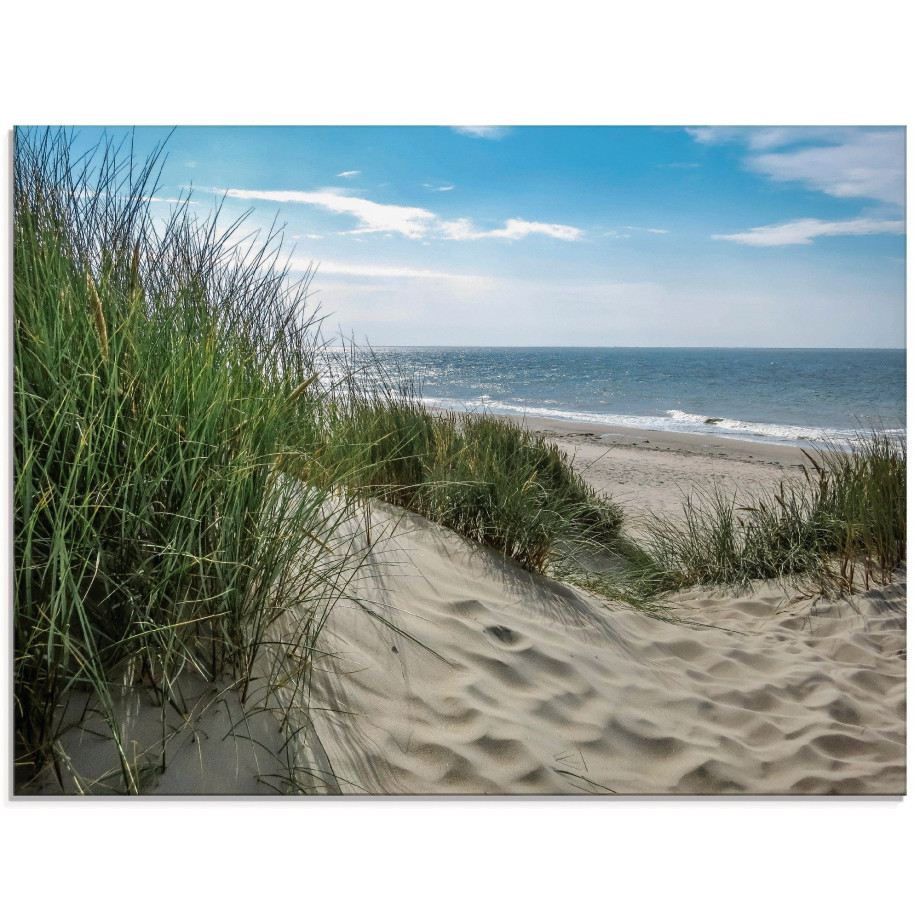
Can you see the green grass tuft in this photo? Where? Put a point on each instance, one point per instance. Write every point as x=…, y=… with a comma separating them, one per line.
x=839, y=528
x=484, y=476
x=153, y=379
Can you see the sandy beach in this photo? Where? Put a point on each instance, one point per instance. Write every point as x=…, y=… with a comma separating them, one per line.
x=491, y=680
x=647, y=470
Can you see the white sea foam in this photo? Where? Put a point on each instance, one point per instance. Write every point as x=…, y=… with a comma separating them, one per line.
x=673, y=420
x=739, y=428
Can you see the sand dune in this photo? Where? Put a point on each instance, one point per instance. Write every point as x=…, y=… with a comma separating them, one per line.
x=513, y=683
x=540, y=688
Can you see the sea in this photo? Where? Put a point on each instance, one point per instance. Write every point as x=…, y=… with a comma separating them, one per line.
x=782, y=396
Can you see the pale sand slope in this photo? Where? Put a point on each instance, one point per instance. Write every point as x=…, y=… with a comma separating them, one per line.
x=215, y=744
x=544, y=689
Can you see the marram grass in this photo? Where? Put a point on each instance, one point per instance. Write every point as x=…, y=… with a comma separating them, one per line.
x=484, y=476
x=840, y=527
x=161, y=380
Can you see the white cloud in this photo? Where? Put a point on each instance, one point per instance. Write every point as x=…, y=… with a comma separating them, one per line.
x=372, y=217
x=843, y=162
x=488, y=132
x=514, y=229
x=348, y=172
x=438, y=188
x=769, y=137
x=871, y=165
x=414, y=223
x=617, y=235
x=804, y=231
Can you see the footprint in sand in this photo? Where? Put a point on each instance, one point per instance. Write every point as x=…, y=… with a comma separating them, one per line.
x=502, y=633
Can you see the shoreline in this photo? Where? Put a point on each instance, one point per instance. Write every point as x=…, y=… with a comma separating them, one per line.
x=689, y=443
x=653, y=472
x=790, y=435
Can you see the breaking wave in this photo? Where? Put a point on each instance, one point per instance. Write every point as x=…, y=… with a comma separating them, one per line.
x=673, y=420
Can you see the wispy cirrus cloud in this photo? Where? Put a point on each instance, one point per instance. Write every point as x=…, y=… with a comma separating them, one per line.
x=412, y=222
x=805, y=230
x=487, y=132
x=439, y=188
x=844, y=162
x=348, y=172
x=155, y=199
x=870, y=166
x=514, y=229
x=618, y=235
x=372, y=217
x=769, y=136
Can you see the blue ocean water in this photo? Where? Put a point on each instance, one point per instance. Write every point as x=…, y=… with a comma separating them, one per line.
x=780, y=395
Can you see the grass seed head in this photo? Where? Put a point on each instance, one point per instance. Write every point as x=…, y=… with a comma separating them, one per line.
x=102, y=332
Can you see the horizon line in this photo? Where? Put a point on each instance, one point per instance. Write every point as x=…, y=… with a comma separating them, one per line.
x=670, y=347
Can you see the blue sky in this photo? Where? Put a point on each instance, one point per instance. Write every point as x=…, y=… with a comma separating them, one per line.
x=573, y=236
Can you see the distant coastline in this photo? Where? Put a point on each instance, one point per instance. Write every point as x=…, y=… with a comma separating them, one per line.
x=653, y=347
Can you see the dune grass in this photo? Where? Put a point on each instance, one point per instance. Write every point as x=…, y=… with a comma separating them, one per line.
x=839, y=528
x=162, y=382
x=484, y=476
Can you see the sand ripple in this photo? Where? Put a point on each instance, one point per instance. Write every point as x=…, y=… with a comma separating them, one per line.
x=542, y=689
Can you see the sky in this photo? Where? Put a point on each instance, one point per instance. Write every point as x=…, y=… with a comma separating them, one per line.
x=585, y=236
